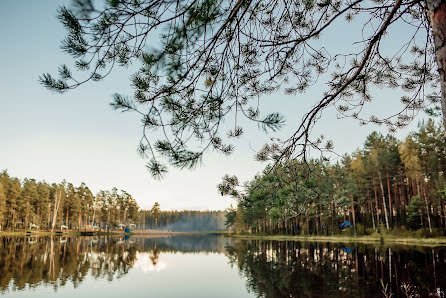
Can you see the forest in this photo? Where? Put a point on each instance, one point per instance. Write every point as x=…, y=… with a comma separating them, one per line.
x=31, y=204
x=388, y=186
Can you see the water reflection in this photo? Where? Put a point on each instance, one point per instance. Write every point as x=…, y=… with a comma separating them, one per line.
x=34, y=261
x=260, y=268
x=296, y=269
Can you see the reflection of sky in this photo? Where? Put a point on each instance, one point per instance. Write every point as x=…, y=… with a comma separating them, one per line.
x=145, y=265
x=177, y=275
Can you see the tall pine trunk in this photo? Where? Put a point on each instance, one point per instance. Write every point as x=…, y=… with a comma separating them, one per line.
x=437, y=13
x=376, y=201
x=427, y=208
x=390, y=200
x=57, y=199
x=353, y=216
x=384, y=199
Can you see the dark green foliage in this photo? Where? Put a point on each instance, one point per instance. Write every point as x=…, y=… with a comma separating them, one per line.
x=30, y=202
x=389, y=184
x=413, y=213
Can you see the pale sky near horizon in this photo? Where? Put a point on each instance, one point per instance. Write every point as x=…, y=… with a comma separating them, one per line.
x=78, y=137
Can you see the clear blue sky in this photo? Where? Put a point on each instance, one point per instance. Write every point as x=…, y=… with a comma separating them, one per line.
x=78, y=137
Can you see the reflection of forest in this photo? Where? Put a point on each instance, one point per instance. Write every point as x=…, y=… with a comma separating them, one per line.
x=272, y=268
x=296, y=269
x=56, y=260
x=187, y=244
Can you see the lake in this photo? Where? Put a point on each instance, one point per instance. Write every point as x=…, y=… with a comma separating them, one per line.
x=214, y=266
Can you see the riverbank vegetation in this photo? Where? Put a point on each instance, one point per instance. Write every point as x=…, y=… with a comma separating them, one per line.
x=390, y=186
x=29, y=204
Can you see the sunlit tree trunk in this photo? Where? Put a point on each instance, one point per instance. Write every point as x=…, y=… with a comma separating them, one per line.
x=49, y=216
x=437, y=13
x=353, y=216
x=384, y=199
x=79, y=222
x=427, y=208
x=390, y=200
x=376, y=201
x=94, y=213
x=67, y=216
x=57, y=199
x=27, y=215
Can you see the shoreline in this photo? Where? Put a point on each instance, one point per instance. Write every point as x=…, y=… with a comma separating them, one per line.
x=384, y=239
x=370, y=239
x=152, y=233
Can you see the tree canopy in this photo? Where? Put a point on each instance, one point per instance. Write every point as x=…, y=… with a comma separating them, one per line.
x=27, y=202
x=204, y=60
x=388, y=184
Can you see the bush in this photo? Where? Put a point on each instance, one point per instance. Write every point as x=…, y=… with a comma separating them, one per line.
x=369, y=231
x=360, y=230
x=418, y=233
x=413, y=213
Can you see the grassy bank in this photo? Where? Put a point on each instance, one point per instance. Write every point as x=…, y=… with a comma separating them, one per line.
x=389, y=239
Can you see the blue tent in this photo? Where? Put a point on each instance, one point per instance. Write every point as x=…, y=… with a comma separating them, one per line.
x=346, y=249
x=345, y=224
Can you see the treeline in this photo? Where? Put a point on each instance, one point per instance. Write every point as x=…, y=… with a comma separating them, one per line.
x=184, y=220
x=387, y=185
x=29, y=204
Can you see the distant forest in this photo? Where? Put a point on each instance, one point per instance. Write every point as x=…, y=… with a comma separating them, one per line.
x=389, y=185
x=31, y=204
x=186, y=220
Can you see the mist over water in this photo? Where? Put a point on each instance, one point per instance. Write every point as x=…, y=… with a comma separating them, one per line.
x=196, y=225
x=187, y=221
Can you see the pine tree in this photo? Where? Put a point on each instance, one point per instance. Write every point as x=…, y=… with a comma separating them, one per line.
x=216, y=58
x=2, y=206
x=156, y=213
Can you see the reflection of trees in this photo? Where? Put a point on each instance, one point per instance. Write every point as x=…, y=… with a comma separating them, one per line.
x=294, y=269
x=186, y=244
x=272, y=269
x=56, y=260
x=155, y=254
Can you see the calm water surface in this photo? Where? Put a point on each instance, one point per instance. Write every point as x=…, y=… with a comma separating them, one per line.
x=211, y=266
